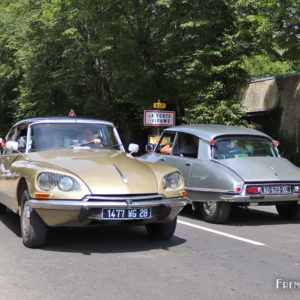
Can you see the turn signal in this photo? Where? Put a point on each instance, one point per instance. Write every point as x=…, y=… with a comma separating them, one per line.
x=41, y=196
x=184, y=193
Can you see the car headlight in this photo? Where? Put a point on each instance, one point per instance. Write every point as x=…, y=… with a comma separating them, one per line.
x=65, y=183
x=47, y=181
x=172, y=181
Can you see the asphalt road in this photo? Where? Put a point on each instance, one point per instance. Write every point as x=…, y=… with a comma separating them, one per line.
x=254, y=256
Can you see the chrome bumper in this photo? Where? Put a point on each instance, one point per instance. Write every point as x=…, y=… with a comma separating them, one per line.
x=260, y=198
x=78, y=205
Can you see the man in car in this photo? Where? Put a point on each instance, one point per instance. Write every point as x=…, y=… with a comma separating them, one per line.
x=87, y=136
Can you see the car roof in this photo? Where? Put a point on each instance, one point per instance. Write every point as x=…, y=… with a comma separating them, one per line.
x=210, y=132
x=62, y=120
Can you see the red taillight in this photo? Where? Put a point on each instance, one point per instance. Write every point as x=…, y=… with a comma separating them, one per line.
x=253, y=190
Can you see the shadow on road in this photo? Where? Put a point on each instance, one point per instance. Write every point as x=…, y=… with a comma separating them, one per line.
x=244, y=216
x=11, y=221
x=105, y=239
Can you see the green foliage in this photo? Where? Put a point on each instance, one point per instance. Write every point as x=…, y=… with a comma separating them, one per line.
x=276, y=25
x=221, y=112
x=112, y=59
x=262, y=66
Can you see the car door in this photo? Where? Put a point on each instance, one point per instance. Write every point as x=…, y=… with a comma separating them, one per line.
x=184, y=154
x=207, y=178
x=163, y=149
x=9, y=176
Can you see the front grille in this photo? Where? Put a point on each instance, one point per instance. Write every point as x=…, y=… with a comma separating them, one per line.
x=133, y=197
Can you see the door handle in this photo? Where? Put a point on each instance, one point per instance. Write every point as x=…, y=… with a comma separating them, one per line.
x=188, y=163
x=163, y=158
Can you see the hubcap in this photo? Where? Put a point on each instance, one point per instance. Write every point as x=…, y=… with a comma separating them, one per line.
x=209, y=207
x=26, y=220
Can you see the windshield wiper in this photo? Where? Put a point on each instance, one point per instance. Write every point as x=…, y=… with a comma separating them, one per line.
x=113, y=146
x=80, y=145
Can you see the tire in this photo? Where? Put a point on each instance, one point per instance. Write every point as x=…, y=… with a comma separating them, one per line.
x=214, y=211
x=161, y=231
x=34, y=230
x=289, y=211
x=2, y=208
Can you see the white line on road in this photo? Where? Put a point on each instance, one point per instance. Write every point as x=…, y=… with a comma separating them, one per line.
x=221, y=233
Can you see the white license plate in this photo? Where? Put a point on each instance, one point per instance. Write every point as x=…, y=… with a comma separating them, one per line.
x=282, y=189
x=126, y=214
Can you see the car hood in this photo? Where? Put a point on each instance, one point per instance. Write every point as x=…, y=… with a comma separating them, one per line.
x=254, y=169
x=103, y=171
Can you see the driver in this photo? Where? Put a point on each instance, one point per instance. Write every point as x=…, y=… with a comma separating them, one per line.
x=87, y=136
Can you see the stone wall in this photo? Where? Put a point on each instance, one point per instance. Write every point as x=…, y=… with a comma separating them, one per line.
x=262, y=96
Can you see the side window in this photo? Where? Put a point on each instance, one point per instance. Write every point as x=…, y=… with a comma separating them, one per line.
x=21, y=138
x=187, y=145
x=10, y=137
x=165, y=143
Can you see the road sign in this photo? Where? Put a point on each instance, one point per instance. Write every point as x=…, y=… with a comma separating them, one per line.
x=154, y=139
x=160, y=105
x=72, y=113
x=159, y=118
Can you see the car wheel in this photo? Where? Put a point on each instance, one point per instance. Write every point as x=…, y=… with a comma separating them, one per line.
x=161, y=231
x=34, y=230
x=214, y=211
x=2, y=208
x=290, y=211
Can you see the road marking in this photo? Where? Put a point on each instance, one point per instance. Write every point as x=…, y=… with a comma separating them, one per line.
x=221, y=233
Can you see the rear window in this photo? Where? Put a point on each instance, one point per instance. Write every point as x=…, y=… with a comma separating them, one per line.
x=243, y=147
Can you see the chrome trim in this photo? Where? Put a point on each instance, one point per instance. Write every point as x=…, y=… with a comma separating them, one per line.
x=274, y=183
x=209, y=190
x=42, y=120
x=260, y=198
x=124, y=179
x=77, y=205
x=123, y=197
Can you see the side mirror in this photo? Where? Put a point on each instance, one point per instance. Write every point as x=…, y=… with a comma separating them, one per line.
x=133, y=148
x=11, y=147
x=149, y=147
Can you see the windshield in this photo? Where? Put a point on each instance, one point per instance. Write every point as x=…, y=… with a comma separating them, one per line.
x=243, y=147
x=50, y=136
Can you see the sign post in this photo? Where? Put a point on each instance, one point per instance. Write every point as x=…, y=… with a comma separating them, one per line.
x=158, y=118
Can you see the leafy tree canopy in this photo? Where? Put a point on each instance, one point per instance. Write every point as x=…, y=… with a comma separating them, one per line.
x=112, y=59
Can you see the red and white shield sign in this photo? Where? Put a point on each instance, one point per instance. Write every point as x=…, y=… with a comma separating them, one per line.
x=72, y=113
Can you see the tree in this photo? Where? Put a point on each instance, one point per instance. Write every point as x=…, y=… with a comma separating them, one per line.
x=276, y=25
x=264, y=65
x=110, y=59
x=204, y=55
